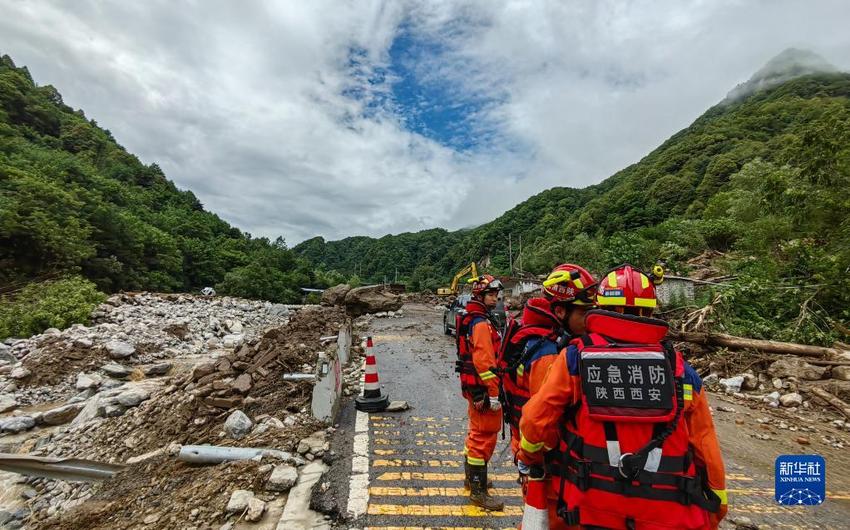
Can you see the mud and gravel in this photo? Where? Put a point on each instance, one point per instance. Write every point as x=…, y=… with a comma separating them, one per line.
x=185, y=403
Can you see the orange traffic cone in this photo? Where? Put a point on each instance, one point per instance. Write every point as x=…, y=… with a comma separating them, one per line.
x=535, y=513
x=372, y=399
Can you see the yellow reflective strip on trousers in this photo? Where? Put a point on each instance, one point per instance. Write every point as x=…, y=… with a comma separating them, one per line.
x=529, y=447
x=486, y=375
x=475, y=461
x=724, y=498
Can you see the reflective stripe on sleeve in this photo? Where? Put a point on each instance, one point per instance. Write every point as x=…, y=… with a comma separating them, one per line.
x=688, y=391
x=486, y=375
x=529, y=447
x=724, y=499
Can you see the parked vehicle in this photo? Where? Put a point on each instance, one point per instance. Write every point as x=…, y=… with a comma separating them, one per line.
x=458, y=307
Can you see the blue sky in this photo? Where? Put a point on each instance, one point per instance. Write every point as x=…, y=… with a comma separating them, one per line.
x=410, y=89
x=440, y=109
x=368, y=117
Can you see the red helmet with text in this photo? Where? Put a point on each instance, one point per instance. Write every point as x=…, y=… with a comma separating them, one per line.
x=627, y=286
x=483, y=284
x=570, y=284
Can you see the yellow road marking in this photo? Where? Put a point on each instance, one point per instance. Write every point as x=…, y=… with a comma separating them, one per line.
x=390, y=338
x=376, y=491
x=398, y=462
x=441, y=510
x=425, y=452
x=437, y=442
x=385, y=424
x=402, y=462
x=414, y=475
x=738, y=477
x=432, y=434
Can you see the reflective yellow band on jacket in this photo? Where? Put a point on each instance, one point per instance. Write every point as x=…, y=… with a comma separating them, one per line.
x=529, y=447
x=645, y=302
x=688, y=391
x=578, y=283
x=612, y=279
x=724, y=499
x=486, y=375
x=644, y=281
x=610, y=300
x=520, y=370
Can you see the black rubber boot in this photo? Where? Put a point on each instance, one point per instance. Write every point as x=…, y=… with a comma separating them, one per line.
x=479, y=496
x=466, y=484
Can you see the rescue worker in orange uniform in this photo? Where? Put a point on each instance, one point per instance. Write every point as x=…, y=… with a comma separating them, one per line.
x=478, y=340
x=628, y=420
x=525, y=358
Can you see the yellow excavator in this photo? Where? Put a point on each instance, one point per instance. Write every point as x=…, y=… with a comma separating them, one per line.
x=448, y=291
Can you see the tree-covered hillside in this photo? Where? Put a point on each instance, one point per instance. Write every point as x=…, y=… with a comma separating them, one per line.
x=73, y=201
x=763, y=179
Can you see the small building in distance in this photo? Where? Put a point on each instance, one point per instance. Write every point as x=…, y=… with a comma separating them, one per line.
x=675, y=289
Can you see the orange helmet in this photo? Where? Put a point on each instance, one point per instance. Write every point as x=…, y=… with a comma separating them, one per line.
x=570, y=284
x=627, y=286
x=483, y=284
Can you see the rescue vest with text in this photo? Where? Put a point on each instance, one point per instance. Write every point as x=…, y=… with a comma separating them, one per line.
x=476, y=313
x=526, y=341
x=624, y=459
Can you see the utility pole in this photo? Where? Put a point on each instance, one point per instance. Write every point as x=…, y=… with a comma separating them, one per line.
x=510, y=255
x=520, y=254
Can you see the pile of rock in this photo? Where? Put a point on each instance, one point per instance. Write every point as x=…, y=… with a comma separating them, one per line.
x=137, y=331
x=784, y=383
x=153, y=326
x=225, y=382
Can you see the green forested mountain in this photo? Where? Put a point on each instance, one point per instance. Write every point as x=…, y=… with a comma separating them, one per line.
x=763, y=177
x=73, y=201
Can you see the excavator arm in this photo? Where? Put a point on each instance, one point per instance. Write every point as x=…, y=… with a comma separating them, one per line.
x=469, y=269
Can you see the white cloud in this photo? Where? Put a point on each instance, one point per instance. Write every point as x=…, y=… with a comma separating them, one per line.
x=244, y=103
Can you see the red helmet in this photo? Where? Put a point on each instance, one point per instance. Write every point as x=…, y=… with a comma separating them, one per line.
x=483, y=284
x=570, y=284
x=627, y=286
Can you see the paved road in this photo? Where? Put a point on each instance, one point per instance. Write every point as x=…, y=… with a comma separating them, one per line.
x=416, y=468
x=416, y=463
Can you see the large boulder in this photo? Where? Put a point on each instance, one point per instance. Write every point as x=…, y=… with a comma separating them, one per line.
x=7, y=402
x=375, y=299
x=238, y=424
x=119, y=349
x=335, y=295
x=796, y=367
x=62, y=415
x=17, y=424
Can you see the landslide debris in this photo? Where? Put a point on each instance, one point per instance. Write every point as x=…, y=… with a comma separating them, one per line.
x=153, y=373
